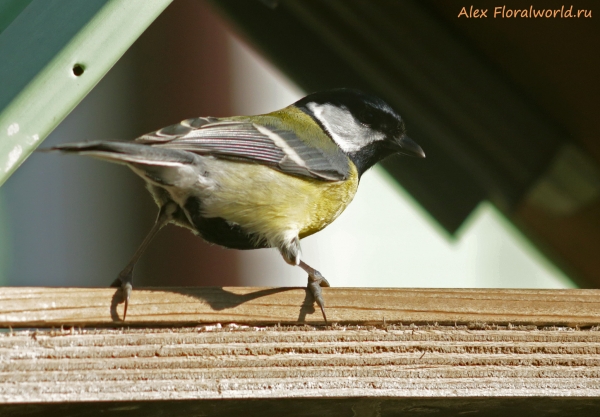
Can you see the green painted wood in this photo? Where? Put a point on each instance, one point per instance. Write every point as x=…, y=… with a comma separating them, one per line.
x=9, y=10
x=51, y=55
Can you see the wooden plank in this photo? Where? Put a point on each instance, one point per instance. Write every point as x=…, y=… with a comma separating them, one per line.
x=312, y=407
x=278, y=362
x=22, y=307
x=509, y=354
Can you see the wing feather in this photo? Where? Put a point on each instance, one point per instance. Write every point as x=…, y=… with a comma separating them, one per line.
x=279, y=148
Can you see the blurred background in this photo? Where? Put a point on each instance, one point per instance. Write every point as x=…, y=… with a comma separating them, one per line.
x=506, y=111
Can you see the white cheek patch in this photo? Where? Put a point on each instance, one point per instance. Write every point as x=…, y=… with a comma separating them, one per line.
x=346, y=131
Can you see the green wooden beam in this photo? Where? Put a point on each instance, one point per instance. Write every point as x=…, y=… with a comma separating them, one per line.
x=51, y=55
x=9, y=10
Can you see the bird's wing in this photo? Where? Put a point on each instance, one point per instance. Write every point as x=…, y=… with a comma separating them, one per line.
x=278, y=148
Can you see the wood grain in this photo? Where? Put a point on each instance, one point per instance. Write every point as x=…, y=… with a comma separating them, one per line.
x=22, y=307
x=381, y=357
x=234, y=362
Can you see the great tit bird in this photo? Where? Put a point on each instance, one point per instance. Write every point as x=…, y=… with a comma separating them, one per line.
x=265, y=181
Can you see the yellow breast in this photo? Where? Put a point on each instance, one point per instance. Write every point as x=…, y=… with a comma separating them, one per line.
x=272, y=204
x=331, y=200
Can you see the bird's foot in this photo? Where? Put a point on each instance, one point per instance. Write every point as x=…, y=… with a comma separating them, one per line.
x=125, y=281
x=315, y=282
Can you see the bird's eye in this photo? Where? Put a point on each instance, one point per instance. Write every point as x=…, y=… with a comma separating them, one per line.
x=367, y=117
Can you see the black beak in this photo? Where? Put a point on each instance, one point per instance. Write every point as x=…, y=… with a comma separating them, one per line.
x=407, y=146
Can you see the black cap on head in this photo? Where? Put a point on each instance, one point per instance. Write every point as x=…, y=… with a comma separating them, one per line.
x=368, y=109
x=364, y=126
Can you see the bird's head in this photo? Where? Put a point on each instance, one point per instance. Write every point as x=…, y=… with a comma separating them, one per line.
x=364, y=126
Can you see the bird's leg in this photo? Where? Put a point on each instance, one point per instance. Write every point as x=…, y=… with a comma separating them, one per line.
x=291, y=254
x=125, y=278
x=315, y=282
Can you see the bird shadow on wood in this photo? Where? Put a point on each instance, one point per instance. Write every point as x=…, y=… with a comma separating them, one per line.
x=308, y=306
x=116, y=299
x=220, y=299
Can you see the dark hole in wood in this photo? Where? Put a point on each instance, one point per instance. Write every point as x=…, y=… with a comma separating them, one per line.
x=78, y=69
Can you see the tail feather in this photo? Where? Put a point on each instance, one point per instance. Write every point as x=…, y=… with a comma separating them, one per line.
x=128, y=153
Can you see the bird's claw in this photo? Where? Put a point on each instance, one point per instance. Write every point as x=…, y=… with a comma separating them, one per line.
x=125, y=282
x=126, y=288
x=315, y=282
